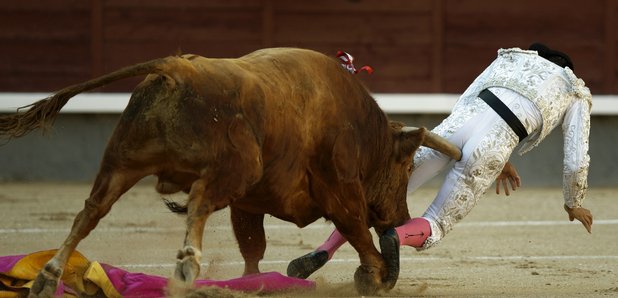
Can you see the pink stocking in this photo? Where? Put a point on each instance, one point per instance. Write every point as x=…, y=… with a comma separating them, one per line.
x=414, y=232
x=333, y=242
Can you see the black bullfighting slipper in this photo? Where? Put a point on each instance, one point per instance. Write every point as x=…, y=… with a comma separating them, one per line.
x=304, y=266
x=389, y=246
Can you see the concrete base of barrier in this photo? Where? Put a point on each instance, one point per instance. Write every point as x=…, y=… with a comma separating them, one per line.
x=73, y=149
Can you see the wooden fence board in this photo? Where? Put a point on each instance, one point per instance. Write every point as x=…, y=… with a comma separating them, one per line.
x=415, y=46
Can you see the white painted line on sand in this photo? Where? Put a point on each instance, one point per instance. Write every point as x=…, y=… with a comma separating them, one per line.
x=291, y=226
x=403, y=259
x=532, y=223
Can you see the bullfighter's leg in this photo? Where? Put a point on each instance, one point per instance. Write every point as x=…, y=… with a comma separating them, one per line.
x=306, y=265
x=468, y=181
x=108, y=187
x=249, y=232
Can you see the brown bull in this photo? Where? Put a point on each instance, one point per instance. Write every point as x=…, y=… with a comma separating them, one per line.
x=286, y=132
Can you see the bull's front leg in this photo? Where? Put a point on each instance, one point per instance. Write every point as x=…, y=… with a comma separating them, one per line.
x=249, y=232
x=349, y=214
x=369, y=276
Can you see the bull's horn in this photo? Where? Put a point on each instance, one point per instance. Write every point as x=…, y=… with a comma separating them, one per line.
x=438, y=143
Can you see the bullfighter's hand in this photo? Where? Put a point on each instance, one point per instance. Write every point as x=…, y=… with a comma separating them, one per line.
x=582, y=214
x=508, y=175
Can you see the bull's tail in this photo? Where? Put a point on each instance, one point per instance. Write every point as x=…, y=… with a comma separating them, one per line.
x=175, y=207
x=43, y=113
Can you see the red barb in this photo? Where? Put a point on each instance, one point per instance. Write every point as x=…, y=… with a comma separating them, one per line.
x=347, y=62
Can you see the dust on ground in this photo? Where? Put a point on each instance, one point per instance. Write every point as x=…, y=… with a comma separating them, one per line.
x=517, y=246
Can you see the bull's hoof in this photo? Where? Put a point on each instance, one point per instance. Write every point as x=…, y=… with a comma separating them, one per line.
x=389, y=246
x=304, y=266
x=46, y=282
x=367, y=280
x=187, y=269
x=187, y=266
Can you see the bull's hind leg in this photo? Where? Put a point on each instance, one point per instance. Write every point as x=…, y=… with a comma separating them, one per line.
x=229, y=177
x=198, y=210
x=206, y=196
x=108, y=187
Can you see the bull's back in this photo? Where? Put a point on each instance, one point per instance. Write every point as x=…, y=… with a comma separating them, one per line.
x=294, y=101
x=305, y=92
x=291, y=97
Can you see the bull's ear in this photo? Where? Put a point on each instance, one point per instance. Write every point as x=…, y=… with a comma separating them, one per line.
x=396, y=125
x=409, y=141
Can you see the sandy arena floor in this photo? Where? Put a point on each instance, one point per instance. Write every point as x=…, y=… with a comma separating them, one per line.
x=517, y=246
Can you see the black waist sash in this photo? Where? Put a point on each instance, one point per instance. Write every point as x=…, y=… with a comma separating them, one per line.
x=497, y=105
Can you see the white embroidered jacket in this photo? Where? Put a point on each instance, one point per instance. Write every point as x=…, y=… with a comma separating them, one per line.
x=560, y=96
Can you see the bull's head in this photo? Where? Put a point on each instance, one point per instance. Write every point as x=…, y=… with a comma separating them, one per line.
x=391, y=208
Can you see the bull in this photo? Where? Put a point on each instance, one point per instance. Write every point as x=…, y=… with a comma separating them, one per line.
x=282, y=131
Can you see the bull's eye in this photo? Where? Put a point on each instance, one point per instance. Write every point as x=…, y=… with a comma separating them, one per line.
x=409, y=169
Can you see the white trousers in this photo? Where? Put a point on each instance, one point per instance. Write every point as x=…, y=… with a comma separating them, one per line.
x=486, y=142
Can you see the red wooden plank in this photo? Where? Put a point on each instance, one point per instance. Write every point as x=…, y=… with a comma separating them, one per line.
x=50, y=6
x=438, y=46
x=366, y=28
x=183, y=4
x=96, y=41
x=463, y=64
x=611, y=48
x=40, y=25
x=483, y=21
x=567, y=9
x=170, y=25
x=268, y=24
x=43, y=44
x=41, y=66
x=347, y=6
x=403, y=85
x=415, y=46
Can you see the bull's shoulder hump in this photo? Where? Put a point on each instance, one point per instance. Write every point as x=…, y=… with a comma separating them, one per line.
x=283, y=53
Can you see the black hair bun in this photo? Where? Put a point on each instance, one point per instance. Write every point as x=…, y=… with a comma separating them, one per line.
x=557, y=57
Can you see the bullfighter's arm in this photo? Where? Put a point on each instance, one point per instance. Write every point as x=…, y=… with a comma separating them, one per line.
x=582, y=214
x=508, y=174
x=576, y=131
